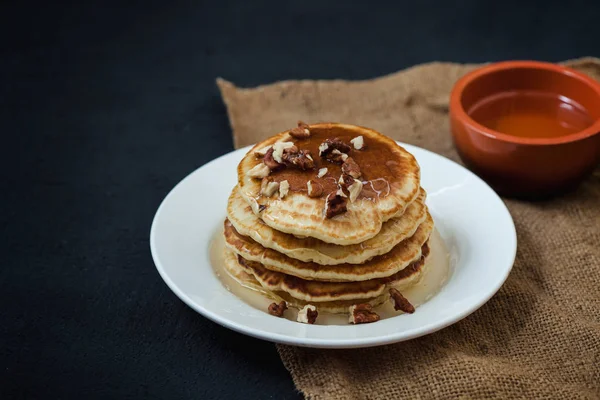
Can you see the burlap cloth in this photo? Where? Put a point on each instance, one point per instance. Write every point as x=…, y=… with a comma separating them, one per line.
x=538, y=337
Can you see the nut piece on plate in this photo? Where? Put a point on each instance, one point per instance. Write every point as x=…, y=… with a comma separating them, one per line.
x=277, y=309
x=358, y=143
x=301, y=132
x=298, y=159
x=351, y=168
x=354, y=189
x=268, y=187
x=322, y=172
x=308, y=314
x=335, y=204
x=284, y=188
x=278, y=149
x=315, y=189
x=400, y=302
x=362, y=314
x=262, y=151
x=259, y=171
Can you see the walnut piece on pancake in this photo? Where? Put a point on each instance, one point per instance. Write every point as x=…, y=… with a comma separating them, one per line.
x=358, y=143
x=278, y=149
x=340, y=192
x=268, y=187
x=259, y=171
x=333, y=150
x=315, y=189
x=337, y=156
x=400, y=302
x=335, y=204
x=284, y=188
x=322, y=172
x=277, y=309
x=351, y=168
x=300, y=159
x=345, y=181
x=308, y=314
x=300, y=132
x=336, y=144
x=262, y=151
x=362, y=314
x=269, y=160
x=354, y=190
x=323, y=147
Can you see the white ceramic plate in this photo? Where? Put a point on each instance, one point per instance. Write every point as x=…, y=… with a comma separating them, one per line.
x=470, y=217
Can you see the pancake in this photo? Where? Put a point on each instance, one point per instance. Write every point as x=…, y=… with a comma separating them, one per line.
x=381, y=266
x=389, y=177
x=247, y=279
x=317, y=291
x=309, y=249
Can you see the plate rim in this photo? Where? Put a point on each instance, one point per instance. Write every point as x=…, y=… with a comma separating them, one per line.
x=369, y=341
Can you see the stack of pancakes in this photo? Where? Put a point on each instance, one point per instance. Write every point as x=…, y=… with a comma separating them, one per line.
x=347, y=242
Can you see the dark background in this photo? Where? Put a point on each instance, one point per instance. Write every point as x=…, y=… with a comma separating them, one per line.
x=106, y=106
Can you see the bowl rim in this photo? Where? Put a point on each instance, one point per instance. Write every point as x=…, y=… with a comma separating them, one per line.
x=459, y=112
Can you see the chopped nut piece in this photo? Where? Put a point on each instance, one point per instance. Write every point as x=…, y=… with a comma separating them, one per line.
x=337, y=155
x=335, y=204
x=284, y=188
x=259, y=171
x=322, y=172
x=315, y=189
x=277, y=309
x=301, y=132
x=298, y=159
x=269, y=160
x=355, y=189
x=333, y=144
x=278, y=149
x=308, y=314
x=268, y=187
x=400, y=302
x=262, y=151
x=351, y=168
x=323, y=147
x=362, y=314
x=345, y=181
x=358, y=142
x=340, y=192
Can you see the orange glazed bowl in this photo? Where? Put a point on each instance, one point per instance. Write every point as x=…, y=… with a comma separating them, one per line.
x=530, y=129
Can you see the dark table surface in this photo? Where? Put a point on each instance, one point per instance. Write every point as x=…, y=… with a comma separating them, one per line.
x=106, y=107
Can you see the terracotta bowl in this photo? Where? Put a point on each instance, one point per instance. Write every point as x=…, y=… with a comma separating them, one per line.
x=526, y=166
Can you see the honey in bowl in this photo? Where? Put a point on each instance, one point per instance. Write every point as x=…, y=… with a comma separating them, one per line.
x=530, y=113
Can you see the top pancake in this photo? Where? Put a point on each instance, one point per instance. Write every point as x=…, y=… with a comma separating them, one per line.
x=390, y=177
